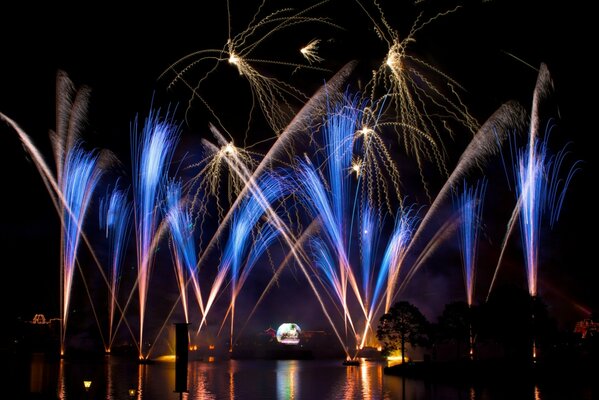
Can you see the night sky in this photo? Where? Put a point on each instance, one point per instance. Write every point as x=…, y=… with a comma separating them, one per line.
x=121, y=54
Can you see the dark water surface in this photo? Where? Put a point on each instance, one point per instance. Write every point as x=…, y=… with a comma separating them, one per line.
x=115, y=378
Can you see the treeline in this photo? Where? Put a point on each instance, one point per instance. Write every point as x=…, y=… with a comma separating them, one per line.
x=511, y=325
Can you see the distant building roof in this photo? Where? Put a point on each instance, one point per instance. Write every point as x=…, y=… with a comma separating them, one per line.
x=39, y=319
x=586, y=327
x=271, y=332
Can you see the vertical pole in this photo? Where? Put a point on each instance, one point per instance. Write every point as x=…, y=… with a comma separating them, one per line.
x=534, y=330
x=470, y=333
x=181, y=357
x=471, y=343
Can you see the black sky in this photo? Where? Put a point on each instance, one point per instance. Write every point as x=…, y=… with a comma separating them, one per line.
x=120, y=55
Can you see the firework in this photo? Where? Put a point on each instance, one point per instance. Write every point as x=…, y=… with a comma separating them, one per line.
x=273, y=96
x=151, y=152
x=539, y=187
x=115, y=218
x=77, y=173
x=540, y=190
x=327, y=190
x=487, y=143
x=247, y=239
x=310, y=51
x=80, y=176
x=412, y=97
x=183, y=246
x=470, y=204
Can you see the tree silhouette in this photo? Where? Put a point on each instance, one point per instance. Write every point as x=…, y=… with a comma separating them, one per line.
x=514, y=319
x=455, y=324
x=404, y=323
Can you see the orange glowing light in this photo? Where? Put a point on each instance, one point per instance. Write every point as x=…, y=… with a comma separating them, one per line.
x=396, y=358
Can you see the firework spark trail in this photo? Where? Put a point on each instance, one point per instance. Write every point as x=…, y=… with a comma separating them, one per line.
x=272, y=95
x=264, y=239
x=213, y=168
x=299, y=124
x=543, y=87
x=326, y=262
x=387, y=273
x=71, y=107
x=531, y=185
x=243, y=223
x=184, y=252
x=369, y=236
x=61, y=205
x=375, y=168
x=329, y=201
x=287, y=236
x=540, y=192
x=321, y=205
x=393, y=260
x=71, y=111
x=487, y=142
x=413, y=97
x=306, y=235
x=310, y=51
x=267, y=235
x=74, y=167
x=393, y=257
x=331, y=205
x=317, y=103
x=470, y=203
x=151, y=152
x=115, y=218
x=80, y=175
x=385, y=276
x=46, y=174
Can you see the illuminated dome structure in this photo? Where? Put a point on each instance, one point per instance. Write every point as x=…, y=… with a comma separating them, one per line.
x=288, y=333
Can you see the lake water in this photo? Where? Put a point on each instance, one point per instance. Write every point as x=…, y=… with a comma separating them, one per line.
x=113, y=379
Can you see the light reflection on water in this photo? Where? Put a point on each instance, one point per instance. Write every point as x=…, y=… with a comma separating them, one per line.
x=115, y=379
x=287, y=379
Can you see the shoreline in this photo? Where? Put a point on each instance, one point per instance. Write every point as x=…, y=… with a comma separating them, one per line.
x=489, y=371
